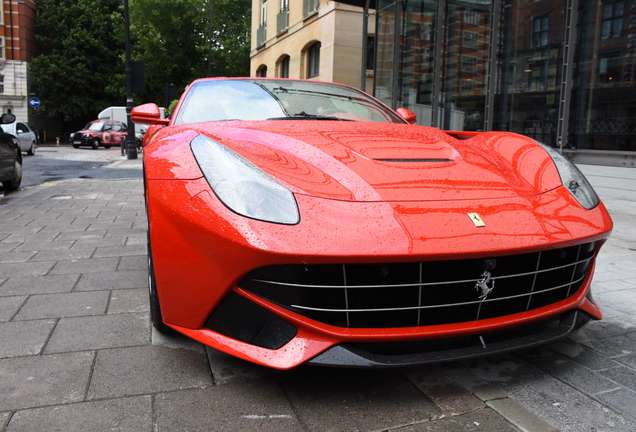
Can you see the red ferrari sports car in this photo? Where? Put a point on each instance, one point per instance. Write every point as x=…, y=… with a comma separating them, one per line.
x=297, y=222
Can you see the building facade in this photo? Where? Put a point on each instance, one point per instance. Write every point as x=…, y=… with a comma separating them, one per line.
x=16, y=49
x=317, y=39
x=560, y=71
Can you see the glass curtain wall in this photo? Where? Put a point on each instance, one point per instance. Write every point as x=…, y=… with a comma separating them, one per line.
x=386, y=26
x=530, y=72
x=603, y=109
x=466, y=47
x=500, y=64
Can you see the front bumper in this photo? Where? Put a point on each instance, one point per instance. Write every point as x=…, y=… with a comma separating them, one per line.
x=451, y=349
x=202, y=250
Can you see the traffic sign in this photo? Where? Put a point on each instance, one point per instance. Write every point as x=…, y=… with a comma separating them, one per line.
x=34, y=102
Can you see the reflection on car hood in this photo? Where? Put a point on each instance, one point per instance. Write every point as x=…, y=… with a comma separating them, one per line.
x=358, y=161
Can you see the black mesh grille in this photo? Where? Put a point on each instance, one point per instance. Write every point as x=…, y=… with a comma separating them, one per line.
x=424, y=293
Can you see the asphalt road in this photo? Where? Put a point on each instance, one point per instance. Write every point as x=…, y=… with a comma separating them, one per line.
x=63, y=163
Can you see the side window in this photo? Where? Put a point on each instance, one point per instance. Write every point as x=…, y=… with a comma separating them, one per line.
x=116, y=127
x=107, y=127
x=20, y=127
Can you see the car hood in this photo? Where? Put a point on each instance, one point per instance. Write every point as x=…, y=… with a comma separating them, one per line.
x=356, y=161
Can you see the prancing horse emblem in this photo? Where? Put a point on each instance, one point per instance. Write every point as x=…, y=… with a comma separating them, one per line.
x=485, y=285
x=477, y=220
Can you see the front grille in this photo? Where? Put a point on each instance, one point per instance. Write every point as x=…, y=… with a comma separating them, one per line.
x=424, y=293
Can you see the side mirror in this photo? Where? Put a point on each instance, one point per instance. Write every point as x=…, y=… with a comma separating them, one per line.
x=7, y=118
x=148, y=113
x=408, y=115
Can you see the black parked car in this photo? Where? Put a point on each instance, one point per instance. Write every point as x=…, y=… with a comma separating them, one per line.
x=10, y=157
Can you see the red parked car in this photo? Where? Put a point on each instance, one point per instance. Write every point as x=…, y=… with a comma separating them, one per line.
x=100, y=133
x=298, y=221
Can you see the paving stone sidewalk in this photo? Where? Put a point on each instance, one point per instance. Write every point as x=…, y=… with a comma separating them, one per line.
x=77, y=352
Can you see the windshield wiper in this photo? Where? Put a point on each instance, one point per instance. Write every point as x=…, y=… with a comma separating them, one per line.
x=304, y=116
x=282, y=89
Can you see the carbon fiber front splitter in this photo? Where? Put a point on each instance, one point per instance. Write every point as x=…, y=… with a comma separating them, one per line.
x=400, y=354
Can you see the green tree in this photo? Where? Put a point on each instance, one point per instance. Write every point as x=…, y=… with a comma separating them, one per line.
x=181, y=40
x=165, y=39
x=80, y=68
x=78, y=53
x=225, y=38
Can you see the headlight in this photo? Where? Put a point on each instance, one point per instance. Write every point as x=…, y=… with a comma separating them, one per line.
x=241, y=186
x=573, y=179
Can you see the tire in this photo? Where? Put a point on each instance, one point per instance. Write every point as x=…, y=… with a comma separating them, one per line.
x=31, y=151
x=107, y=146
x=95, y=144
x=155, y=307
x=75, y=146
x=14, y=184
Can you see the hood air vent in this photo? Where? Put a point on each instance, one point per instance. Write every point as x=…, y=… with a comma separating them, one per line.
x=414, y=160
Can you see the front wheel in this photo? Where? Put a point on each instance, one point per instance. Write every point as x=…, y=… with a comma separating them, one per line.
x=155, y=307
x=75, y=146
x=14, y=184
x=31, y=151
x=95, y=144
x=107, y=146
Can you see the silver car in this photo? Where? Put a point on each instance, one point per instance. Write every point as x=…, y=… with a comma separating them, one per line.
x=27, y=140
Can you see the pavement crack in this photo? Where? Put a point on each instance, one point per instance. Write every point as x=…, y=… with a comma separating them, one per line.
x=90, y=376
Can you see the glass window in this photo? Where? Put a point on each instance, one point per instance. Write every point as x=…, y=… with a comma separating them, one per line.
x=470, y=39
x=96, y=126
x=263, y=18
x=385, y=33
x=370, y=52
x=283, y=67
x=227, y=99
x=466, y=55
x=469, y=64
x=1, y=83
x=261, y=71
x=603, y=105
x=540, y=31
x=414, y=80
x=471, y=17
x=313, y=60
x=284, y=5
x=21, y=127
x=526, y=100
x=612, y=25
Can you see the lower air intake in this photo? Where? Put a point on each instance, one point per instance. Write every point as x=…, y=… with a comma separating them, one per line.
x=243, y=320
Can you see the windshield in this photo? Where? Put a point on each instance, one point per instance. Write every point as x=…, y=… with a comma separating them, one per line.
x=96, y=126
x=279, y=100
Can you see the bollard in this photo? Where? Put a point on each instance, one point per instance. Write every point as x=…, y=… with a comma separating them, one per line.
x=57, y=141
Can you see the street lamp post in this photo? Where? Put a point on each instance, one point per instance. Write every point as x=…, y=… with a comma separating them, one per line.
x=131, y=146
